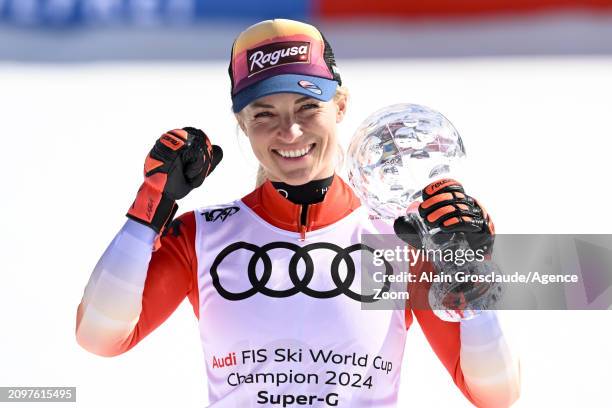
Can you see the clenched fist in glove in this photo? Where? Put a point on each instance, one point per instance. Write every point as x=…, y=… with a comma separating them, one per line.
x=179, y=162
x=447, y=209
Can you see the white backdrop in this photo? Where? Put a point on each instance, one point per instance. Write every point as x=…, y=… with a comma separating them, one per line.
x=538, y=134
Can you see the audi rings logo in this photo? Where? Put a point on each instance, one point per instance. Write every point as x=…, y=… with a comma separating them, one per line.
x=300, y=284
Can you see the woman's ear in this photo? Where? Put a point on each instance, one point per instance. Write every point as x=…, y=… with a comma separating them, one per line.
x=341, y=104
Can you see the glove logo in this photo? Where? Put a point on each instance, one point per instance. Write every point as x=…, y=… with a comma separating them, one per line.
x=150, y=208
x=219, y=213
x=259, y=279
x=171, y=141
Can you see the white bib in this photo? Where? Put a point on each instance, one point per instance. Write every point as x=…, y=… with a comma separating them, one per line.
x=280, y=319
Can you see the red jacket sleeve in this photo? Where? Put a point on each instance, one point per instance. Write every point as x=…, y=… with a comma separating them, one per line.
x=133, y=290
x=171, y=275
x=443, y=337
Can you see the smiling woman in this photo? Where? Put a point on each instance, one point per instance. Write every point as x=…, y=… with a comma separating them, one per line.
x=286, y=119
x=273, y=277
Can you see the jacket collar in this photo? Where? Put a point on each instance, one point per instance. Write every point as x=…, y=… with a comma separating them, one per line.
x=272, y=207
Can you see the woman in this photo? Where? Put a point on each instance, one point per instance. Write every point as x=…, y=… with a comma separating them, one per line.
x=279, y=323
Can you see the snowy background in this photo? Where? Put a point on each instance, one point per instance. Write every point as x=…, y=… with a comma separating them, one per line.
x=537, y=128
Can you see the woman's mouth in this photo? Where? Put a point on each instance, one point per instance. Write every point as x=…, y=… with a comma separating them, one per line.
x=294, y=153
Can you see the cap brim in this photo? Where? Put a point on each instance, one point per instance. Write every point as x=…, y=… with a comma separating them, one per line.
x=318, y=88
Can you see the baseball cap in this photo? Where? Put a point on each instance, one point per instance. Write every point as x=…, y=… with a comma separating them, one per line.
x=280, y=55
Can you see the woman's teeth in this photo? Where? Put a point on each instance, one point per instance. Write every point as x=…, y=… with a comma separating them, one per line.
x=295, y=153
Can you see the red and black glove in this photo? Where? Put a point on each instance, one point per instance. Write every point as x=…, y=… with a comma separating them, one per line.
x=179, y=162
x=446, y=207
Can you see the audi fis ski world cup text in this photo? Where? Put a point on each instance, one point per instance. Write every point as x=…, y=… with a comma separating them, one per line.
x=339, y=372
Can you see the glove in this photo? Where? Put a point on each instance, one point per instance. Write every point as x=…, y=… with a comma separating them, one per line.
x=447, y=208
x=179, y=162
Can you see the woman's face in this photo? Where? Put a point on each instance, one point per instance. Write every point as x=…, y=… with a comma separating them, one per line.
x=293, y=136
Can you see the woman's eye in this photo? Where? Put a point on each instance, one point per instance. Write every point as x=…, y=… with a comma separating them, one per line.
x=309, y=106
x=263, y=114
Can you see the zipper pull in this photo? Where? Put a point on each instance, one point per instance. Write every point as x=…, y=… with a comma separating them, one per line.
x=302, y=233
x=303, y=225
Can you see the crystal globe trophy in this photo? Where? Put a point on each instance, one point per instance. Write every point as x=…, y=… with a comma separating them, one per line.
x=393, y=155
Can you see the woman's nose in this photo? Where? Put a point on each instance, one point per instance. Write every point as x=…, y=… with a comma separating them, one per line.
x=290, y=130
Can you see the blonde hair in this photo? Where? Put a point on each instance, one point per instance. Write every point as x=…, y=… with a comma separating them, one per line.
x=342, y=92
